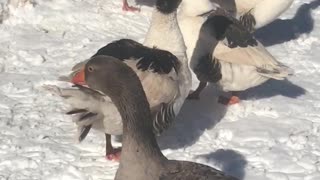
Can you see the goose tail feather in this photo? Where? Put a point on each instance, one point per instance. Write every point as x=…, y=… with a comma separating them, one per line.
x=279, y=72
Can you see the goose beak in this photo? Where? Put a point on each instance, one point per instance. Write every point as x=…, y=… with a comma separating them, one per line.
x=78, y=78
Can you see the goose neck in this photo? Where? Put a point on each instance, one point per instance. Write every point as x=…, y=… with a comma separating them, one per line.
x=164, y=33
x=139, y=142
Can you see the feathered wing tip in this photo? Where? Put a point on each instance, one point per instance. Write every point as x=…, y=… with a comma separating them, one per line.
x=84, y=121
x=279, y=72
x=257, y=56
x=81, y=116
x=163, y=118
x=86, y=118
x=83, y=132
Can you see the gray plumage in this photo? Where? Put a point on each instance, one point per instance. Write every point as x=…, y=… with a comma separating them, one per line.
x=184, y=170
x=141, y=157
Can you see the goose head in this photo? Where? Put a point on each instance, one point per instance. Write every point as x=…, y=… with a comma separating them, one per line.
x=102, y=73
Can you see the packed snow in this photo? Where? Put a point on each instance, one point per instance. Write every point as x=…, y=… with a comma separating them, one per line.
x=273, y=134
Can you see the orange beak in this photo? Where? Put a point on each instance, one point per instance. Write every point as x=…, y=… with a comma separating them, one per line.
x=79, y=78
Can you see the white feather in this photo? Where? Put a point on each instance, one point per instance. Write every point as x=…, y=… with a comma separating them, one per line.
x=165, y=33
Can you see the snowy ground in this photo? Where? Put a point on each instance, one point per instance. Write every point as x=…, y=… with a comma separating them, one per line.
x=274, y=134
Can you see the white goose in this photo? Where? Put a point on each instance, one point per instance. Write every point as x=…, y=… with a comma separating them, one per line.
x=165, y=77
x=221, y=50
x=255, y=14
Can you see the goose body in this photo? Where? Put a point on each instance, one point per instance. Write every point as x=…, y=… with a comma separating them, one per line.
x=141, y=157
x=221, y=50
x=165, y=77
x=232, y=78
x=255, y=13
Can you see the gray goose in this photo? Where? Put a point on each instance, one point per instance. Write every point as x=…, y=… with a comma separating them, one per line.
x=221, y=50
x=141, y=157
x=165, y=77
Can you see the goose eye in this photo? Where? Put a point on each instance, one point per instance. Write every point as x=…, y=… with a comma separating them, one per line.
x=90, y=69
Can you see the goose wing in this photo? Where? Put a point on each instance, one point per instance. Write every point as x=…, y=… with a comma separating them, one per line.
x=157, y=70
x=84, y=104
x=237, y=45
x=183, y=170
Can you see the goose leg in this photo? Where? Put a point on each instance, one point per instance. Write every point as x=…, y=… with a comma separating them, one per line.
x=234, y=99
x=126, y=7
x=111, y=153
x=196, y=94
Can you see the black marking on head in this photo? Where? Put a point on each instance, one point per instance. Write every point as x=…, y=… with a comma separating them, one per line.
x=208, y=69
x=159, y=61
x=167, y=6
x=227, y=28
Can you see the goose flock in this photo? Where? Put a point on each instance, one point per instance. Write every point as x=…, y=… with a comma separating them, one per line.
x=137, y=89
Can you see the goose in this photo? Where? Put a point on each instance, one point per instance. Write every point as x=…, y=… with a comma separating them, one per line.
x=141, y=157
x=165, y=76
x=221, y=50
x=255, y=14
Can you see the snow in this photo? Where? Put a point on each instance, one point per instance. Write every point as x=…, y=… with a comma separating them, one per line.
x=274, y=134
